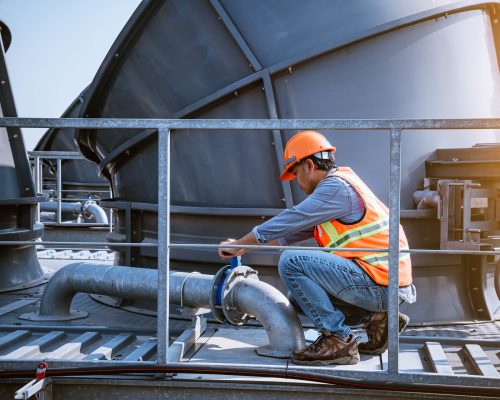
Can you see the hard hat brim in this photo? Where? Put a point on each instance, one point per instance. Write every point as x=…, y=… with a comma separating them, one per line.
x=287, y=175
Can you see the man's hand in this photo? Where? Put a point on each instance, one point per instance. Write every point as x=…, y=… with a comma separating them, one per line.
x=229, y=252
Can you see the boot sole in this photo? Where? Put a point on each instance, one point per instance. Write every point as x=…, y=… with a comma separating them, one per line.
x=381, y=350
x=348, y=360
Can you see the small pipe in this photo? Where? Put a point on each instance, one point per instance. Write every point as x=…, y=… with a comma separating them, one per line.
x=51, y=206
x=91, y=209
x=426, y=199
x=251, y=296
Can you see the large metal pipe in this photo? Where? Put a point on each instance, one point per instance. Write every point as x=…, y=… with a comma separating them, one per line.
x=246, y=296
x=281, y=323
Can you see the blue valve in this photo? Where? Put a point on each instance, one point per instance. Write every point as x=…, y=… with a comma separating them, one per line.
x=233, y=263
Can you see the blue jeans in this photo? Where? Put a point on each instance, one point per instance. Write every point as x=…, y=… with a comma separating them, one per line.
x=329, y=288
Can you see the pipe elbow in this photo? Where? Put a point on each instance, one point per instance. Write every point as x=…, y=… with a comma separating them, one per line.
x=91, y=209
x=275, y=313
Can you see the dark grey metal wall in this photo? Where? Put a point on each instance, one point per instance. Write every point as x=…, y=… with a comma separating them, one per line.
x=279, y=59
x=19, y=267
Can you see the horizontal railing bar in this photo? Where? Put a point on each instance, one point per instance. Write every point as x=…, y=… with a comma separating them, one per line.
x=62, y=158
x=70, y=199
x=48, y=153
x=259, y=247
x=78, y=224
x=75, y=248
x=267, y=124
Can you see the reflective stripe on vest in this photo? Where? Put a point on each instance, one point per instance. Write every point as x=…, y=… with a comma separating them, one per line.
x=382, y=258
x=358, y=233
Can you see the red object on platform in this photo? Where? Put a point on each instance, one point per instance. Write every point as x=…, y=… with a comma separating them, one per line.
x=40, y=371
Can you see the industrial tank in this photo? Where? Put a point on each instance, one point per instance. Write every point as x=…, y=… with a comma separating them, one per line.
x=287, y=59
x=19, y=266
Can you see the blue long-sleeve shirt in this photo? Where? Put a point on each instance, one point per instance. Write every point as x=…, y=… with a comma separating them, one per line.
x=332, y=199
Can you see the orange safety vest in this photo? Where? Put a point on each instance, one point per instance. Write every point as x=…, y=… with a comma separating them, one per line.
x=371, y=232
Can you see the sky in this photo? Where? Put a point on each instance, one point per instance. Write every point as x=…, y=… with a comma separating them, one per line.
x=57, y=47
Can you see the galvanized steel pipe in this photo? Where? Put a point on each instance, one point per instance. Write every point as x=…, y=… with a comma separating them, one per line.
x=51, y=206
x=275, y=313
x=91, y=209
x=249, y=296
x=128, y=282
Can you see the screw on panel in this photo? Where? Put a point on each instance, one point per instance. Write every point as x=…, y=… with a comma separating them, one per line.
x=235, y=93
x=4, y=83
x=290, y=70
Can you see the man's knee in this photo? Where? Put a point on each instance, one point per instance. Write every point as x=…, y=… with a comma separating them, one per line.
x=287, y=261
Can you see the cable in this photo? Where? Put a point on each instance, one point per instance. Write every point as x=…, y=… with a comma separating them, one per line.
x=274, y=373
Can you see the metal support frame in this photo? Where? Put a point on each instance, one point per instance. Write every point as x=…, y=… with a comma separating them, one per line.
x=164, y=241
x=38, y=388
x=394, y=207
x=278, y=143
x=58, y=190
x=164, y=128
x=38, y=178
x=236, y=35
x=38, y=183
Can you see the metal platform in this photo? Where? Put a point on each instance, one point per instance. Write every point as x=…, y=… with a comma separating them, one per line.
x=120, y=337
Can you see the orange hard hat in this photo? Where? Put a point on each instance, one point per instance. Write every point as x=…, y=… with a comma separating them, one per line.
x=300, y=146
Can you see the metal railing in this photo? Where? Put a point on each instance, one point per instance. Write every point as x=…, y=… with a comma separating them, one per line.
x=164, y=128
x=37, y=157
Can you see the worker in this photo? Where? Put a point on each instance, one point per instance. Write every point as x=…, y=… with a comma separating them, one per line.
x=335, y=288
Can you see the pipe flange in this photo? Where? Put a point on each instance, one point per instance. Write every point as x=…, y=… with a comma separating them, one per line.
x=236, y=276
x=218, y=280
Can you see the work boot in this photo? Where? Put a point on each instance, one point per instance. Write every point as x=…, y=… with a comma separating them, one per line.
x=378, y=335
x=326, y=350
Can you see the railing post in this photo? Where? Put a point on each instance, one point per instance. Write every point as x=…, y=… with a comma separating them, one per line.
x=38, y=185
x=394, y=207
x=59, y=191
x=163, y=243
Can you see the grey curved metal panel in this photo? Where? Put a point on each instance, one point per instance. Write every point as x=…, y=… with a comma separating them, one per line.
x=277, y=30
